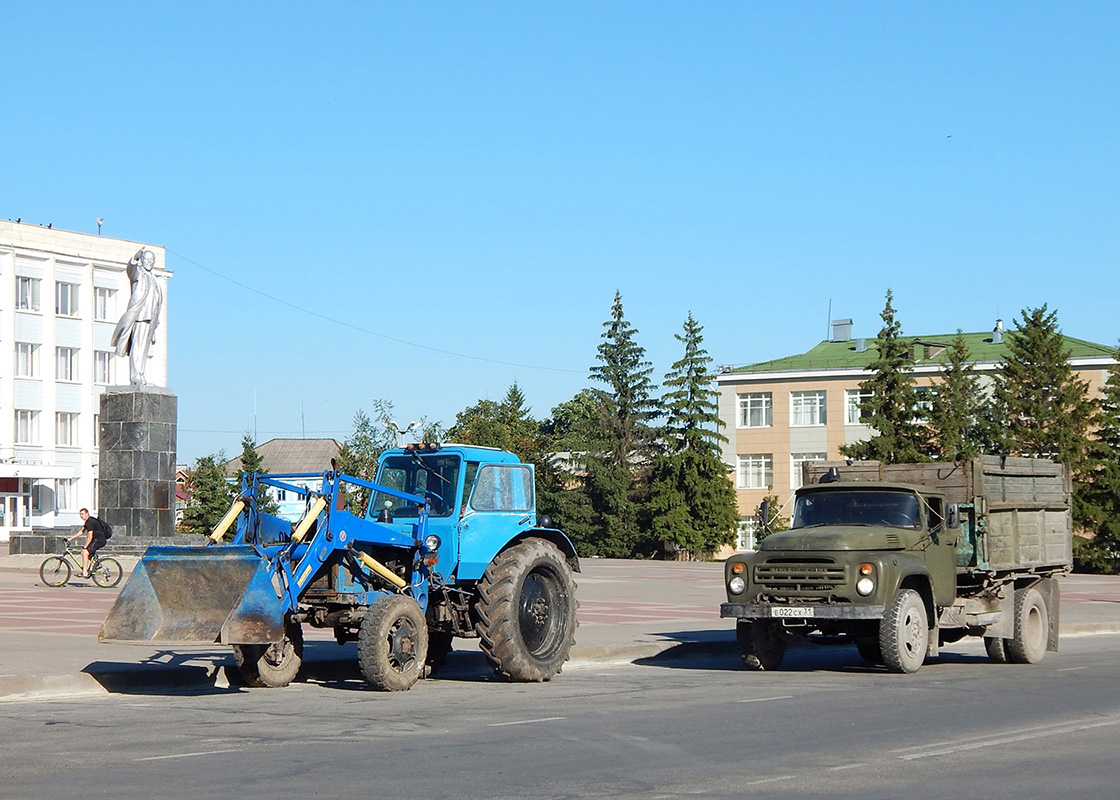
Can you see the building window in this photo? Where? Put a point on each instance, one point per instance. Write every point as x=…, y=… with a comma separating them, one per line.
x=756, y=471
x=923, y=406
x=746, y=535
x=64, y=494
x=796, y=462
x=27, y=360
x=103, y=303
x=756, y=410
x=855, y=413
x=27, y=427
x=66, y=299
x=27, y=294
x=66, y=429
x=807, y=408
x=102, y=367
x=66, y=363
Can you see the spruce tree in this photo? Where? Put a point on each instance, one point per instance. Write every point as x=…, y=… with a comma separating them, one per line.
x=1047, y=412
x=253, y=462
x=691, y=500
x=1101, y=493
x=957, y=406
x=891, y=409
x=616, y=469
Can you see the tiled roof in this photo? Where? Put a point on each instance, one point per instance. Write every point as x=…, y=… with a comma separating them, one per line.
x=928, y=350
x=287, y=456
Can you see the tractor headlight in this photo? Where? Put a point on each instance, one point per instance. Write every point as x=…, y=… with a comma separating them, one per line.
x=432, y=542
x=736, y=585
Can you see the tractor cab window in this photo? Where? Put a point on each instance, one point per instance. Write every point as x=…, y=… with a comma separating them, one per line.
x=503, y=488
x=433, y=476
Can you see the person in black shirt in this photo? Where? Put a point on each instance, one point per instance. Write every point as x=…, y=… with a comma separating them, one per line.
x=94, y=530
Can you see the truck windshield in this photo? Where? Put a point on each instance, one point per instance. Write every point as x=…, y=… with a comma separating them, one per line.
x=874, y=507
x=415, y=474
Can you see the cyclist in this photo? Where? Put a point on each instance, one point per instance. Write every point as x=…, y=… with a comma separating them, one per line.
x=95, y=533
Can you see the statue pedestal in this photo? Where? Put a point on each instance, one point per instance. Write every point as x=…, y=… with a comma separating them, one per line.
x=136, y=477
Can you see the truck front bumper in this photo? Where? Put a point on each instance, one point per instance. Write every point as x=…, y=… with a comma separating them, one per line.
x=794, y=611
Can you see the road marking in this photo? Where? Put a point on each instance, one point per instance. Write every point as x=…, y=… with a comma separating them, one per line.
x=766, y=699
x=1071, y=669
x=188, y=755
x=769, y=780
x=846, y=766
x=1056, y=730
x=524, y=722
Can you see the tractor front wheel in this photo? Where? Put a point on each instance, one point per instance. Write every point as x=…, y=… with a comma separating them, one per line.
x=393, y=643
x=271, y=665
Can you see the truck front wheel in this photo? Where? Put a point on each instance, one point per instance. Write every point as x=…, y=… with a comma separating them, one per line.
x=762, y=645
x=904, y=632
x=1032, y=628
x=526, y=611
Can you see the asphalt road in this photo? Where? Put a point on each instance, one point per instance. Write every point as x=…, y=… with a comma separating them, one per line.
x=826, y=725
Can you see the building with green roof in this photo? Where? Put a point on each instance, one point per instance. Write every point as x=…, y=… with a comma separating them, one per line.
x=783, y=412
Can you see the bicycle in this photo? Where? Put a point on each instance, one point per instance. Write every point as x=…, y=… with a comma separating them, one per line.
x=106, y=571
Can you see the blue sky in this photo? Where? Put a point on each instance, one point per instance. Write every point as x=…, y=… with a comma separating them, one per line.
x=426, y=203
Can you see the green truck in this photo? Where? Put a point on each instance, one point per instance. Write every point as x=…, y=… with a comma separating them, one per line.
x=900, y=559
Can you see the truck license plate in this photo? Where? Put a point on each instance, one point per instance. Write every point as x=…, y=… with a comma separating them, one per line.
x=790, y=611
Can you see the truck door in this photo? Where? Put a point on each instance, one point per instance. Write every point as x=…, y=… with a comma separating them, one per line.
x=942, y=555
x=500, y=506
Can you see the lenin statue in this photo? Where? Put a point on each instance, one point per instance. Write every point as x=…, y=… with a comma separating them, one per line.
x=135, y=333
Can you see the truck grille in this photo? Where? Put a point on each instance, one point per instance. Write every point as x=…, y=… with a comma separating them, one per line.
x=800, y=576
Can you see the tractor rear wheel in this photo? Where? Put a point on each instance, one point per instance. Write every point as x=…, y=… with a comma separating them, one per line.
x=393, y=643
x=271, y=665
x=527, y=611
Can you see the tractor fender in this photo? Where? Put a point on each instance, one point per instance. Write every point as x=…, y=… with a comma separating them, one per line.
x=475, y=556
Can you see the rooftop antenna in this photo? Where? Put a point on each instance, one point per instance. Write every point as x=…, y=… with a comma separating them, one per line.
x=100, y=222
x=828, y=327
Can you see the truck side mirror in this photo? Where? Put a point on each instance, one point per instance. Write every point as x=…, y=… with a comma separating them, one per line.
x=952, y=516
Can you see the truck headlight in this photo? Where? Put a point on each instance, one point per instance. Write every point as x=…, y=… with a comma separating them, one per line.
x=866, y=583
x=736, y=585
x=432, y=542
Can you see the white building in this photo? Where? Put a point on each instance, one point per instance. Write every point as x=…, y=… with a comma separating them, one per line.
x=61, y=294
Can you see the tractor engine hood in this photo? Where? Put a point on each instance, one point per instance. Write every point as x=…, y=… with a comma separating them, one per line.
x=841, y=537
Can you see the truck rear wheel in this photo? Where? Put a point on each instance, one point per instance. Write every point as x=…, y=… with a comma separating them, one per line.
x=271, y=665
x=392, y=643
x=994, y=646
x=1032, y=628
x=527, y=611
x=762, y=646
x=904, y=632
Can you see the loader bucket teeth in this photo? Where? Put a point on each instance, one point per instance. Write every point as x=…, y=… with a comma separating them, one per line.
x=197, y=595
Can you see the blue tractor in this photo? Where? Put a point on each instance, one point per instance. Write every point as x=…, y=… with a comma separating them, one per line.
x=445, y=542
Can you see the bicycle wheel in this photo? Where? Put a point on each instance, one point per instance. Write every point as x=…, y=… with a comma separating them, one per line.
x=55, y=571
x=106, y=572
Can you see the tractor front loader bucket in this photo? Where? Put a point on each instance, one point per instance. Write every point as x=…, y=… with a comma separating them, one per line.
x=198, y=595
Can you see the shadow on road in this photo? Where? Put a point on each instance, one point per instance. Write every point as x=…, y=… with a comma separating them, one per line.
x=716, y=650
